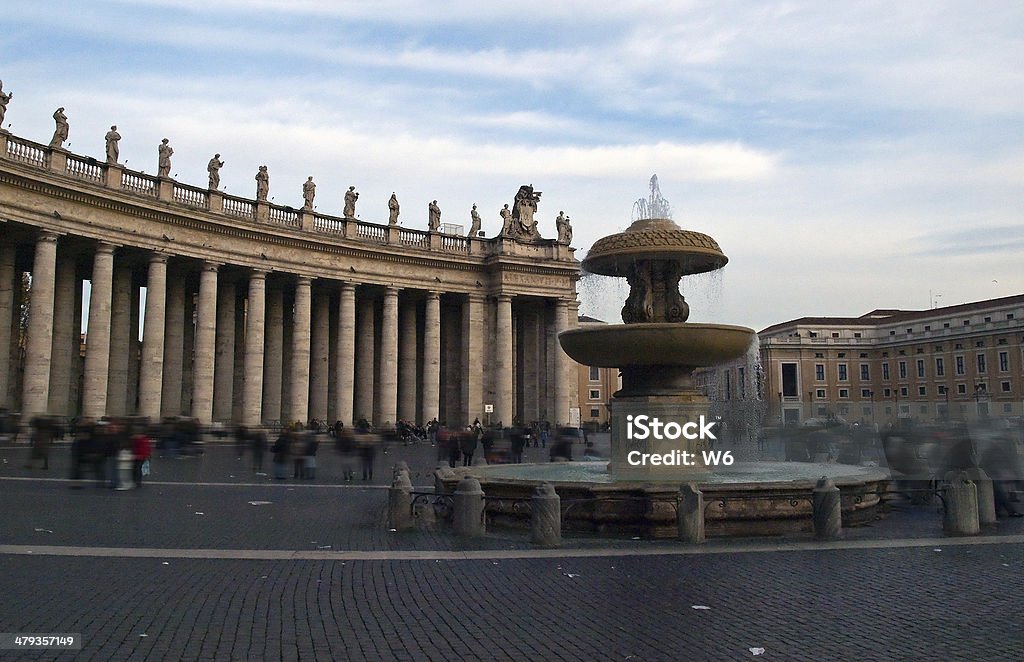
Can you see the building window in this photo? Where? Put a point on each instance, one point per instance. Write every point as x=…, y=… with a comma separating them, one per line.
x=920, y=368
x=865, y=372
x=790, y=386
x=813, y=334
x=842, y=372
x=924, y=409
x=1005, y=386
x=844, y=393
x=885, y=371
x=910, y=330
x=959, y=365
x=942, y=389
x=822, y=411
x=835, y=335
x=927, y=327
x=904, y=392
x=981, y=364
x=988, y=319
x=940, y=367
x=819, y=372
x=819, y=355
x=980, y=343
x=728, y=385
x=903, y=369
x=857, y=334
x=743, y=382
x=595, y=394
x=961, y=389
x=595, y=413
x=887, y=392
x=819, y=393
x=865, y=393
x=842, y=355
x=1009, y=316
x=922, y=391
x=1004, y=362
x=866, y=411
x=595, y=374
x=945, y=325
x=967, y=322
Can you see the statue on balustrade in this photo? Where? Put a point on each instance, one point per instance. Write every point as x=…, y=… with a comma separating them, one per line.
x=308, y=193
x=60, y=133
x=113, y=150
x=506, y=221
x=564, y=228
x=433, y=217
x=523, y=209
x=213, y=167
x=474, y=226
x=4, y=100
x=262, y=184
x=350, y=202
x=165, y=152
x=393, y=209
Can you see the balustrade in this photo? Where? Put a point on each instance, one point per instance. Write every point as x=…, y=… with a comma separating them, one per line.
x=328, y=224
x=372, y=232
x=26, y=151
x=239, y=207
x=454, y=244
x=190, y=195
x=416, y=238
x=136, y=182
x=283, y=216
x=84, y=168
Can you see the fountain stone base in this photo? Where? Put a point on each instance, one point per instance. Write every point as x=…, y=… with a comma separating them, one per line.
x=654, y=438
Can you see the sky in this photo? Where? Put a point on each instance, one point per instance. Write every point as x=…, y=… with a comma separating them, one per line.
x=846, y=156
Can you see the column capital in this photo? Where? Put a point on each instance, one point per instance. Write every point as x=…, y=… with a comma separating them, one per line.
x=391, y=290
x=475, y=297
x=156, y=257
x=302, y=279
x=257, y=274
x=348, y=287
x=106, y=247
x=504, y=297
x=433, y=294
x=212, y=266
x=49, y=236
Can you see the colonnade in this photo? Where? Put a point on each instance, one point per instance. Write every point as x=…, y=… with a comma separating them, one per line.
x=222, y=342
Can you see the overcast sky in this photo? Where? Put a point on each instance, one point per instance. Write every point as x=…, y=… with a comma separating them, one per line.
x=846, y=156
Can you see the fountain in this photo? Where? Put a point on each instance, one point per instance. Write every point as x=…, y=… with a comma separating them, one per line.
x=657, y=352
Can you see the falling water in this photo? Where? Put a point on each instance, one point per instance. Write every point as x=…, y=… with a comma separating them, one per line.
x=655, y=206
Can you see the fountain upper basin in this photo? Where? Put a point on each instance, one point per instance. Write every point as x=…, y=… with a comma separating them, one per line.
x=658, y=344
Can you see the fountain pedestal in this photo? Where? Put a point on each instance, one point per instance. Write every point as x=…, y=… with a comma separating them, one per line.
x=637, y=455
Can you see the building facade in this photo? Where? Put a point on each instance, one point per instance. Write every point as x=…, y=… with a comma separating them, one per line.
x=236, y=310
x=963, y=362
x=596, y=387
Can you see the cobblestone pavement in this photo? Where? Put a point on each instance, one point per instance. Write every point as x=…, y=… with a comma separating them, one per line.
x=209, y=586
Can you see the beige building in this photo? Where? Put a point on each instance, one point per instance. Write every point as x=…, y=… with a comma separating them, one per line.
x=596, y=386
x=960, y=362
x=238, y=310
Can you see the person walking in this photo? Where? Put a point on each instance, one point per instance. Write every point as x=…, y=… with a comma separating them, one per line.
x=142, y=449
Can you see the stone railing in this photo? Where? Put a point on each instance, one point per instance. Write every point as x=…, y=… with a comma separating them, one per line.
x=117, y=177
x=371, y=232
x=87, y=169
x=283, y=216
x=328, y=225
x=136, y=182
x=239, y=207
x=26, y=151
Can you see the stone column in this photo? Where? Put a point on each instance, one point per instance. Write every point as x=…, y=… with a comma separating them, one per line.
x=66, y=330
x=407, y=360
x=503, y=361
x=319, y=356
x=273, y=354
x=387, y=394
x=345, y=353
x=561, y=414
x=120, y=336
x=6, y=320
x=174, y=346
x=472, y=358
x=134, y=347
x=238, y=369
x=151, y=369
x=300, y=351
x=431, y=359
x=364, y=359
x=97, y=338
x=203, y=367
x=252, y=384
x=224, y=361
x=39, y=343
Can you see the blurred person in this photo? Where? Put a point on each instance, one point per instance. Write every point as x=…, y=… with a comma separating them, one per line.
x=142, y=449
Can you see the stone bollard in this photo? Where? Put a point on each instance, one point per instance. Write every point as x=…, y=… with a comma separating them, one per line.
x=690, y=514
x=400, y=503
x=441, y=474
x=400, y=467
x=546, y=516
x=960, y=516
x=827, y=511
x=468, y=502
x=125, y=473
x=986, y=495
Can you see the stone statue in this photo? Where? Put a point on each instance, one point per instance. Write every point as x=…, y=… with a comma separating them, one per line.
x=393, y=210
x=523, y=209
x=60, y=133
x=350, y=202
x=433, y=217
x=213, y=167
x=474, y=226
x=308, y=192
x=262, y=184
x=164, y=162
x=4, y=100
x=564, y=228
x=506, y=221
x=112, y=138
